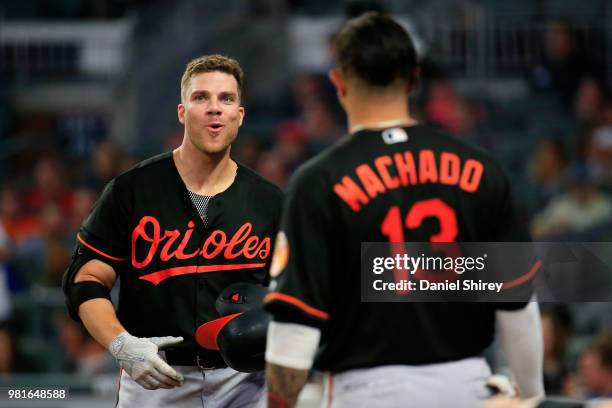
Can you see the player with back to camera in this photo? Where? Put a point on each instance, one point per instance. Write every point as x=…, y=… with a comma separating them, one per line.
x=376, y=184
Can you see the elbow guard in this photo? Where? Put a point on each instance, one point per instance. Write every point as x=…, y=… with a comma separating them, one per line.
x=81, y=292
x=77, y=293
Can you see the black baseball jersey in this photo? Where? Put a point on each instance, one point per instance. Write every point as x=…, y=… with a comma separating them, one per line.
x=394, y=185
x=170, y=264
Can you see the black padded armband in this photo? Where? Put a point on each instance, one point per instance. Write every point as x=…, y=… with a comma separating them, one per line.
x=77, y=293
x=81, y=292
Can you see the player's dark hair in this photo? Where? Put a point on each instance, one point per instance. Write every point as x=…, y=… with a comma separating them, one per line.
x=376, y=49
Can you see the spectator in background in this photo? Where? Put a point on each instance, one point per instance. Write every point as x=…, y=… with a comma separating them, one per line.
x=108, y=161
x=556, y=333
x=105, y=165
x=589, y=109
x=247, y=151
x=173, y=139
x=581, y=208
x=5, y=294
x=6, y=352
x=599, y=156
x=49, y=187
x=291, y=141
x=57, y=245
x=606, y=113
x=591, y=318
x=320, y=125
x=84, y=199
x=85, y=356
x=18, y=225
x=306, y=89
x=11, y=359
x=446, y=108
x=317, y=112
x=595, y=368
x=591, y=97
x=563, y=64
x=42, y=258
x=547, y=169
x=271, y=165
x=287, y=153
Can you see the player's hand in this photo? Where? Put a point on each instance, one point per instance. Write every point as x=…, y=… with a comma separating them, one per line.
x=138, y=357
x=502, y=385
x=501, y=401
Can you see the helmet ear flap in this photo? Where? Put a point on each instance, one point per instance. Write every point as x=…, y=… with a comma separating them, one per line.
x=242, y=342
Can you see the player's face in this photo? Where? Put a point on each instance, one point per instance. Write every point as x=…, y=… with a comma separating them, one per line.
x=211, y=111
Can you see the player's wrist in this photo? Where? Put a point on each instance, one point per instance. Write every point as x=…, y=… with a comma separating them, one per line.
x=118, y=342
x=292, y=345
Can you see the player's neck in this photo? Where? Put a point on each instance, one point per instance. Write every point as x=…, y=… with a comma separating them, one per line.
x=378, y=114
x=204, y=174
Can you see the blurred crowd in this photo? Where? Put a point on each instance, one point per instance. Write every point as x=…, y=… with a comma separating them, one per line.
x=555, y=141
x=41, y=208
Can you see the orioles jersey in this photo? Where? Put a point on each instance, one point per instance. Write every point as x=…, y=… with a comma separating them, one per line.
x=392, y=185
x=171, y=263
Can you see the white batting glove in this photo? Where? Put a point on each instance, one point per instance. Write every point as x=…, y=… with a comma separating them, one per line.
x=138, y=357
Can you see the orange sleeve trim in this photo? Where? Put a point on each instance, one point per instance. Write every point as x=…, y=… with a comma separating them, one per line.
x=297, y=303
x=524, y=278
x=97, y=251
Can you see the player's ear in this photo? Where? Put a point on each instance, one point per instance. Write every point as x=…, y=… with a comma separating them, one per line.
x=180, y=110
x=336, y=78
x=241, y=112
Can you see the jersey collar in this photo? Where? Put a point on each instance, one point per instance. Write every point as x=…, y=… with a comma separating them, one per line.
x=383, y=125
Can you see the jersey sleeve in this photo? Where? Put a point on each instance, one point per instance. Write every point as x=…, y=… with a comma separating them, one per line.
x=300, y=266
x=105, y=232
x=510, y=227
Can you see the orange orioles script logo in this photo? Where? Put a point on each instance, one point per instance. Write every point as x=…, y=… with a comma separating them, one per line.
x=163, y=243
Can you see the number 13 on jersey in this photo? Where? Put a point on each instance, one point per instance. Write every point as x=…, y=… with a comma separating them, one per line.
x=393, y=227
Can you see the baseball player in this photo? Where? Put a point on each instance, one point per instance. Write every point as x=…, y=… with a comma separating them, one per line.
x=390, y=179
x=176, y=230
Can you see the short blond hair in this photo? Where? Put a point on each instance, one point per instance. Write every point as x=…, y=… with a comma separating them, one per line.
x=211, y=63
